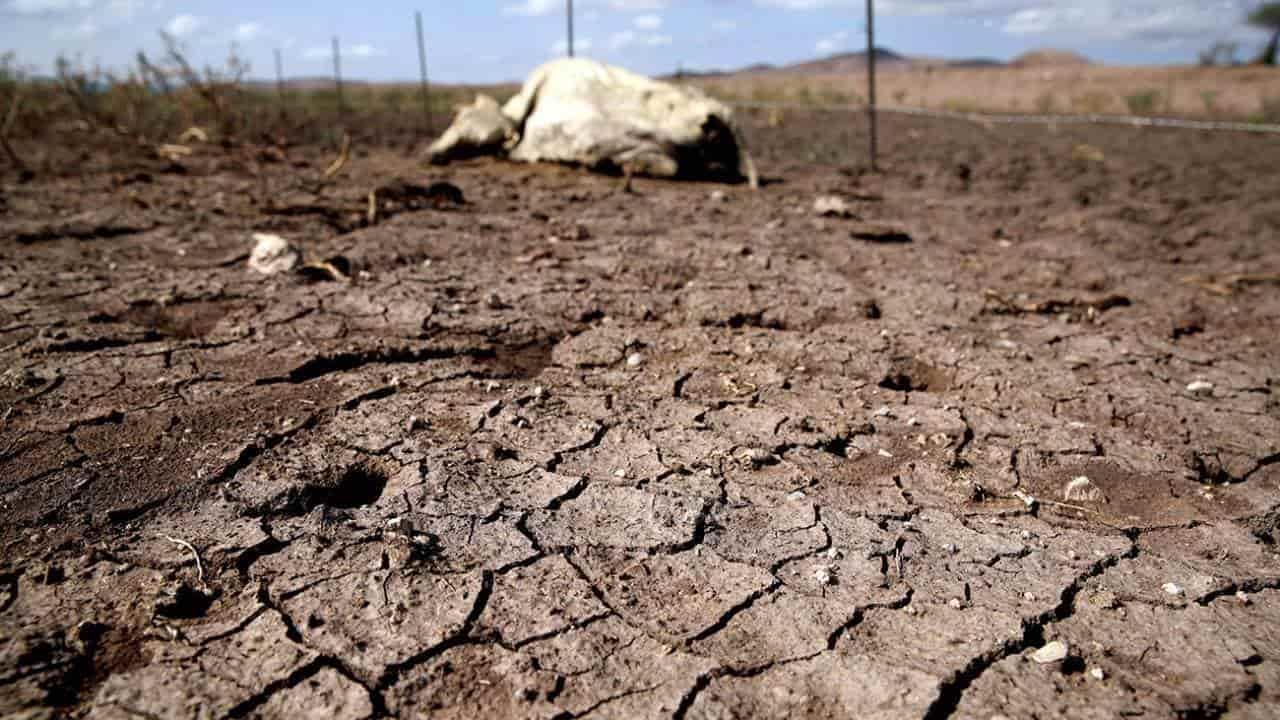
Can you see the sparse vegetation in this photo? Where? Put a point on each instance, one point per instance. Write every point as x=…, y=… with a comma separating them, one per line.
x=1210, y=100
x=1143, y=102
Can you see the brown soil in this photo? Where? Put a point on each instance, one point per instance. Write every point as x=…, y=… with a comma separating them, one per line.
x=689, y=451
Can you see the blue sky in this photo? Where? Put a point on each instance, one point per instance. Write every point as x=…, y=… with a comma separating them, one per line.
x=492, y=40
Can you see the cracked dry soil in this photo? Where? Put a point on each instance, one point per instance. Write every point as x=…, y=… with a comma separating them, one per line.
x=690, y=452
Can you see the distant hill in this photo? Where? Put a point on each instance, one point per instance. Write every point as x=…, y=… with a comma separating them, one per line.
x=847, y=62
x=886, y=60
x=1050, y=57
x=975, y=63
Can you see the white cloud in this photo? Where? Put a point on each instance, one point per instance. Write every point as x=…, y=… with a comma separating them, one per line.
x=247, y=31
x=1142, y=19
x=832, y=43
x=561, y=46
x=363, y=50
x=724, y=26
x=358, y=51
x=183, y=25
x=118, y=8
x=547, y=7
x=47, y=7
x=534, y=7
x=648, y=22
x=630, y=38
x=1081, y=20
x=639, y=5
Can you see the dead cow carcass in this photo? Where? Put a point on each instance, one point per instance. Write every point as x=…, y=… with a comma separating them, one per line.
x=604, y=118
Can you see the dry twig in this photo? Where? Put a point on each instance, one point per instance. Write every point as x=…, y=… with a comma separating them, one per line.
x=343, y=153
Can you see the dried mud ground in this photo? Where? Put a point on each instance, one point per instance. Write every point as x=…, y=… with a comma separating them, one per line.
x=690, y=451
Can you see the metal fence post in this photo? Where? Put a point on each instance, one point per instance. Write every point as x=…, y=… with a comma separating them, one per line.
x=279, y=76
x=337, y=76
x=422, y=67
x=871, y=78
x=570, y=18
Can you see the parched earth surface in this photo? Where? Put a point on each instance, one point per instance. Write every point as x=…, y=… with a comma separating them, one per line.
x=1004, y=441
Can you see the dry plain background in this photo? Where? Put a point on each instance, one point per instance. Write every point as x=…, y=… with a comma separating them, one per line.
x=1242, y=93
x=689, y=451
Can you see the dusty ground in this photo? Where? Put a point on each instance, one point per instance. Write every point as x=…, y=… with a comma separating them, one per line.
x=691, y=452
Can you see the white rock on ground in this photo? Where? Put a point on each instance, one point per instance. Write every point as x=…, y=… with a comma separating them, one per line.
x=831, y=206
x=1082, y=489
x=1050, y=653
x=273, y=254
x=1200, y=387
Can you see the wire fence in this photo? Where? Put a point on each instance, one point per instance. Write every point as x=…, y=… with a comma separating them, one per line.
x=1007, y=119
x=871, y=107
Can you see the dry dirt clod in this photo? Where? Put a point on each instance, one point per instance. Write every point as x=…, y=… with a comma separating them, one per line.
x=273, y=254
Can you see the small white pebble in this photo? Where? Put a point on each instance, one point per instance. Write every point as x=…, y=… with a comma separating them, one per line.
x=834, y=554
x=913, y=422
x=885, y=453
x=955, y=604
x=1242, y=598
x=949, y=548
x=1200, y=387
x=1172, y=589
x=1098, y=674
x=822, y=574
x=620, y=473
x=884, y=412
x=1029, y=597
x=635, y=360
x=796, y=496
x=1071, y=555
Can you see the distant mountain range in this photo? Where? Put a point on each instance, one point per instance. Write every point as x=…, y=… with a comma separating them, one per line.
x=889, y=60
